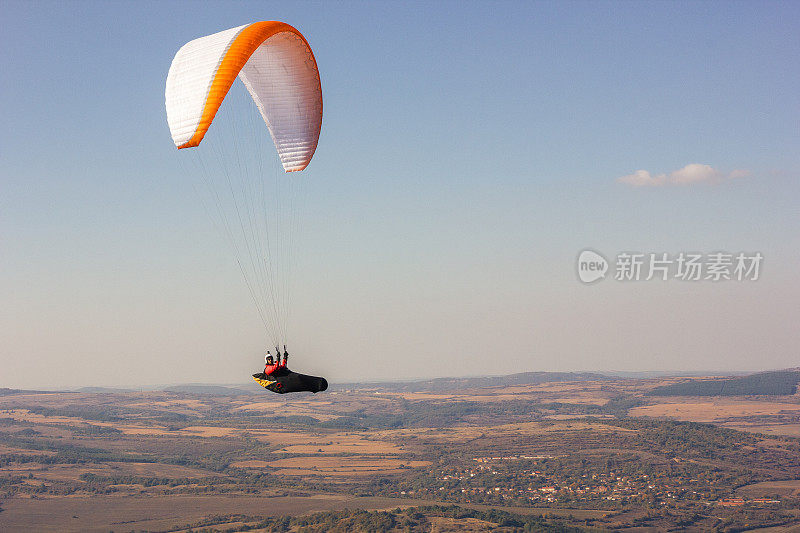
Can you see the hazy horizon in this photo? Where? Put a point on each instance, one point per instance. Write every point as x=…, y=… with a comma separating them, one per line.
x=469, y=153
x=154, y=387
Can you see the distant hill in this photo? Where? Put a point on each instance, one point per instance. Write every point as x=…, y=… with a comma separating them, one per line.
x=444, y=384
x=6, y=392
x=674, y=374
x=779, y=383
x=109, y=390
x=211, y=390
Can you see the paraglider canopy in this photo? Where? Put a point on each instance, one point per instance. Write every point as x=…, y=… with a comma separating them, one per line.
x=277, y=66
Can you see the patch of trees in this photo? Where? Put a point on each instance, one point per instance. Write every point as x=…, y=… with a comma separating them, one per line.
x=409, y=519
x=763, y=384
x=90, y=430
x=88, y=412
x=174, y=417
x=687, y=439
x=620, y=405
x=297, y=420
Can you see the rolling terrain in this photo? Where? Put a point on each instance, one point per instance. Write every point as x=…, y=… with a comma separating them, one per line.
x=572, y=452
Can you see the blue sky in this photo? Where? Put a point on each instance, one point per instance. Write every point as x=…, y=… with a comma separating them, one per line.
x=469, y=151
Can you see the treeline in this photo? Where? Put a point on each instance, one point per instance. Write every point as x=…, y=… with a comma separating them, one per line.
x=409, y=519
x=763, y=384
x=88, y=412
x=148, y=481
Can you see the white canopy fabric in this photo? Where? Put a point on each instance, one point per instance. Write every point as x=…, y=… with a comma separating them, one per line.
x=277, y=66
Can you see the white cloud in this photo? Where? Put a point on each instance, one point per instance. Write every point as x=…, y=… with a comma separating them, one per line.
x=694, y=173
x=642, y=178
x=688, y=175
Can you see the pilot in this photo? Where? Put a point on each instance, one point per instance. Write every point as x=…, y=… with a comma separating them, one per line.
x=270, y=365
